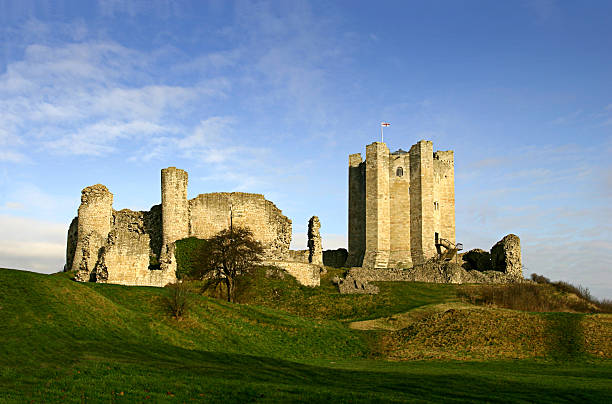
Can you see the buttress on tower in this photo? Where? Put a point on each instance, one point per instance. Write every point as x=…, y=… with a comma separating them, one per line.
x=400, y=204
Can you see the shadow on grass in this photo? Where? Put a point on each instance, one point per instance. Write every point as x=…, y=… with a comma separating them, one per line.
x=153, y=371
x=565, y=338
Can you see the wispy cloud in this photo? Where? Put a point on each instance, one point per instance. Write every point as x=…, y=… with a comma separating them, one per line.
x=84, y=98
x=568, y=118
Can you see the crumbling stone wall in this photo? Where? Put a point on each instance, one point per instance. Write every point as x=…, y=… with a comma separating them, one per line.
x=71, y=242
x=431, y=271
x=94, y=224
x=298, y=256
x=335, y=258
x=137, y=248
x=304, y=273
x=315, y=250
x=506, y=256
x=475, y=267
x=126, y=257
x=350, y=285
x=211, y=213
x=175, y=216
x=477, y=259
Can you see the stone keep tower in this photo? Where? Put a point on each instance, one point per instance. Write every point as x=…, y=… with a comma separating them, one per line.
x=400, y=203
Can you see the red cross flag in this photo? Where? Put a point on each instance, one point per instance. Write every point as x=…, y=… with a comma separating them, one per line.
x=383, y=125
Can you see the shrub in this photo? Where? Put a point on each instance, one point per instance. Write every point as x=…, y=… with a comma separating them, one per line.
x=189, y=256
x=539, y=278
x=178, y=300
x=517, y=296
x=542, y=296
x=586, y=300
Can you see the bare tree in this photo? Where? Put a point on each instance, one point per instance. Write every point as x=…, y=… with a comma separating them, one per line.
x=231, y=253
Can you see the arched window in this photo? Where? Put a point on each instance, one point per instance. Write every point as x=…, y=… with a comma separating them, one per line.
x=399, y=172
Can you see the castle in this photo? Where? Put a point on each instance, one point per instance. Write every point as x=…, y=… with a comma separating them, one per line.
x=401, y=211
x=400, y=205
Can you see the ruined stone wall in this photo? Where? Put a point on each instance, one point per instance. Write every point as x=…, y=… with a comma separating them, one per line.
x=399, y=199
x=137, y=248
x=306, y=274
x=506, y=256
x=175, y=209
x=431, y=272
x=298, y=256
x=152, y=224
x=211, y=213
x=335, y=258
x=315, y=249
x=421, y=202
x=127, y=254
x=94, y=224
x=356, y=210
x=444, y=194
x=71, y=243
x=377, y=206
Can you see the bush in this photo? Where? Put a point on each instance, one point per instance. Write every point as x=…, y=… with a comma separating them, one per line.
x=178, y=300
x=542, y=296
x=586, y=299
x=539, y=278
x=517, y=296
x=189, y=256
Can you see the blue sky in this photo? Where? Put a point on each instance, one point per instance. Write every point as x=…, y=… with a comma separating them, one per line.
x=272, y=97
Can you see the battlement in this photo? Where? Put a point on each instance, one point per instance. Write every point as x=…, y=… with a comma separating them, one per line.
x=355, y=159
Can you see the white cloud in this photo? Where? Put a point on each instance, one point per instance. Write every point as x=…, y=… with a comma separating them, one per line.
x=207, y=134
x=32, y=200
x=32, y=244
x=12, y=156
x=85, y=98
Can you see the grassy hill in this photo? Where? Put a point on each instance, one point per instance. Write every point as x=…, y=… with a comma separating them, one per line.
x=62, y=341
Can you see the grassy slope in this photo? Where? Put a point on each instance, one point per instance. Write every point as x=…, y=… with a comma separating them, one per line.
x=64, y=341
x=325, y=302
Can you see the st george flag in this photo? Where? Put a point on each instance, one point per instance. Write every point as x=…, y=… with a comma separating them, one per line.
x=385, y=124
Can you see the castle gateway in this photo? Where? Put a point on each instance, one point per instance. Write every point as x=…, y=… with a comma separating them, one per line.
x=400, y=205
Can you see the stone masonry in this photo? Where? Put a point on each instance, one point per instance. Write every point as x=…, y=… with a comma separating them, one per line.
x=400, y=203
x=315, y=250
x=506, y=256
x=137, y=248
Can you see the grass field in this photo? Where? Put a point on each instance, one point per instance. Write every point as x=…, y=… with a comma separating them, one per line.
x=62, y=341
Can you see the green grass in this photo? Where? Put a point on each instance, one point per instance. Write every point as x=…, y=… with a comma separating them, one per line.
x=62, y=341
x=325, y=302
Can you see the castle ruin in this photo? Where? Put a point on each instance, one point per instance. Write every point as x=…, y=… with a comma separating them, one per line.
x=401, y=215
x=137, y=248
x=400, y=205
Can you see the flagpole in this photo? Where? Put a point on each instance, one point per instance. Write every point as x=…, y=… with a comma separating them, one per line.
x=382, y=125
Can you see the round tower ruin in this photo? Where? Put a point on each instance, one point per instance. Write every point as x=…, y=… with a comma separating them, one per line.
x=175, y=208
x=94, y=224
